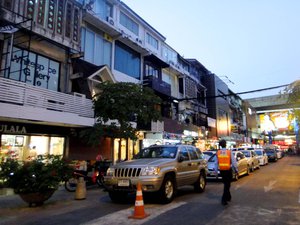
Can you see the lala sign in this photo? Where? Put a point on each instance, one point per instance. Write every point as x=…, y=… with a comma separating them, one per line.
x=12, y=129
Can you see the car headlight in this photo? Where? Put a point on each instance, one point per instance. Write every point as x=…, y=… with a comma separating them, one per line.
x=110, y=171
x=150, y=170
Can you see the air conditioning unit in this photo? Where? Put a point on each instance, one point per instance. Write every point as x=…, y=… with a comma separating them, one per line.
x=111, y=20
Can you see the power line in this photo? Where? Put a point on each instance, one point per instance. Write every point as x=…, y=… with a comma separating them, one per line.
x=226, y=95
x=264, y=89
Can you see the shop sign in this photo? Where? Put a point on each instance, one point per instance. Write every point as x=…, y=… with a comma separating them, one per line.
x=11, y=129
x=211, y=122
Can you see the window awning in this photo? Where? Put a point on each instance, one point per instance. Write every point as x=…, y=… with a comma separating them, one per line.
x=156, y=60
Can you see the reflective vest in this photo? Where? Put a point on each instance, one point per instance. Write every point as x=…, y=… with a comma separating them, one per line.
x=224, y=159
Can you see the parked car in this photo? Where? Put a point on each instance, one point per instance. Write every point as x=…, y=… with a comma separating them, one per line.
x=272, y=154
x=262, y=156
x=160, y=169
x=208, y=154
x=252, y=158
x=242, y=163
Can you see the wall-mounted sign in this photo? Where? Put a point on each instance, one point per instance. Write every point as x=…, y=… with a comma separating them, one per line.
x=11, y=129
x=211, y=122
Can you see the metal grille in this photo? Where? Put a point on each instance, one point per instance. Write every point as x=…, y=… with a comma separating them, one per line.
x=127, y=172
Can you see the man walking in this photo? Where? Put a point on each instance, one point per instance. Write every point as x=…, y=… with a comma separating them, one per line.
x=226, y=162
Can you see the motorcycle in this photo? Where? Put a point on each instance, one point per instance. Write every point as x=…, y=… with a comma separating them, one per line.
x=95, y=177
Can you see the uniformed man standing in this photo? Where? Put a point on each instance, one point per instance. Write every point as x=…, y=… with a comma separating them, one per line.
x=226, y=163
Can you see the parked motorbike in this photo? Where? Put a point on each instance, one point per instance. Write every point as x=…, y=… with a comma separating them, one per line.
x=94, y=177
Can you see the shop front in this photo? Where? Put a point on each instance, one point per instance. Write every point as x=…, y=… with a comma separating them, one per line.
x=25, y=141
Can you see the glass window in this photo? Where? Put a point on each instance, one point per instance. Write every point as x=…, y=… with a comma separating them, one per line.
x=41, y=76
x=102, y=9
x=53, y=73
x=97, y=50
x=193, y=154
x=180, y=80
x=169, y=55
x=24, y=147
x=34, y=69
x=184, y=153
x=89, y=46
x=17, y=57
x=152, y=41
x=127, y=60
x=29, y=69
x=151, y=71
x=129, y=24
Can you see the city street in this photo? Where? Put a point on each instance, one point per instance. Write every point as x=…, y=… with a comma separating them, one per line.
x=270, y=195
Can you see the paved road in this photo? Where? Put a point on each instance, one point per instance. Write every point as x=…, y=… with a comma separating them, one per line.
x=268, y=196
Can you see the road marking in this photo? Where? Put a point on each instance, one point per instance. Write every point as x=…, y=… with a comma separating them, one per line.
x=264, y=212
x=121, y=217
x=270, y=185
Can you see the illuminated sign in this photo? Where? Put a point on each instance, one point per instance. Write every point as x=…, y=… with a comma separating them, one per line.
x=276, y=121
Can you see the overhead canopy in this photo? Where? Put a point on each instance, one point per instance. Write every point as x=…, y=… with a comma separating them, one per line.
x=86, y=76
x=157, y=61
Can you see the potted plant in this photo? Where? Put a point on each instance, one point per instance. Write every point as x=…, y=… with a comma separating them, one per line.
x=35, y=181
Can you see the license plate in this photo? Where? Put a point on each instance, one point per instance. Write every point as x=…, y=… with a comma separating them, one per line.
x=123, y=183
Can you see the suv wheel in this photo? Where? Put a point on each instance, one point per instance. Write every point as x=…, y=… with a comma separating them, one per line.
x=167, y=190
x=199, y=186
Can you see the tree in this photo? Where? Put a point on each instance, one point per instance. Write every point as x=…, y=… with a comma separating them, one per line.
x=293, y=91
x=117, y=107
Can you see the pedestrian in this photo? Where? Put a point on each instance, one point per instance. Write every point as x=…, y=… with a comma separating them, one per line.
x=226, y=163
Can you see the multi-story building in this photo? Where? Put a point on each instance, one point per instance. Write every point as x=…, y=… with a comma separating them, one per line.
x=134, y=51
x=38, y=40
x=237, y=121
x=218, y=109
x=55, y=52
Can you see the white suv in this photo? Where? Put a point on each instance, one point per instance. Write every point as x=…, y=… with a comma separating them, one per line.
x=160, y=169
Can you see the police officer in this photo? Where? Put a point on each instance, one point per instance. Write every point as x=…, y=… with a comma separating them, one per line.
x=226, y=163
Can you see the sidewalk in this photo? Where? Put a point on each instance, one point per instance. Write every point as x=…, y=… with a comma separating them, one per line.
x=15, y=211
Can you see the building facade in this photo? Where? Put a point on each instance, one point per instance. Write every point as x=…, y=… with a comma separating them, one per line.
x=54, y=53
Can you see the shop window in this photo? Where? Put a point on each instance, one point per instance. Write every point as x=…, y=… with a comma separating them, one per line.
x=34, y=69
x=28, y=147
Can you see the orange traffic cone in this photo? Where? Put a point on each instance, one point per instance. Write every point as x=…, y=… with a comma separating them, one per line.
x=139, y=211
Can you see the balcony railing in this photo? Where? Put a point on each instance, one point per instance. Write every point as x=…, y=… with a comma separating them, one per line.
x=22, y=94
x=158, y=85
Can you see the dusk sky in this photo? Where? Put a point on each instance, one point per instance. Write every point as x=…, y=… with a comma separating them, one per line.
x=249, y=44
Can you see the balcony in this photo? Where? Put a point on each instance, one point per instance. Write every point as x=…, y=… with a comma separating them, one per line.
x=20, y=101
x=158, y=85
